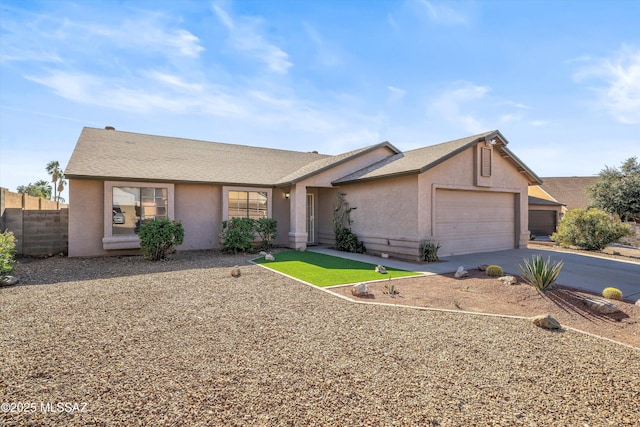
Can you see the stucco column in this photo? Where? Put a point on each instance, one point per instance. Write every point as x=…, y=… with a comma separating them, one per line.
x=298, y=227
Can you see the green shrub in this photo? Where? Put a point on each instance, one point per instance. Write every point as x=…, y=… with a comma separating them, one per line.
x=495, y=271
x=539, y=273
x=591, y=229
x=7, y=252
x=267, y=229
x=429, y=250
x=346, y=241
x=238, y=233
x=158, y=237
x=612, y=293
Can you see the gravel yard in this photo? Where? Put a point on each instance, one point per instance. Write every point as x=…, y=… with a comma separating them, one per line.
x=184, y=343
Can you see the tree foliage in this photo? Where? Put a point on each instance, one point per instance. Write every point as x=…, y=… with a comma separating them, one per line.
x=57, y=177
x=39, y=189
x=618, y=190
x=591, y=229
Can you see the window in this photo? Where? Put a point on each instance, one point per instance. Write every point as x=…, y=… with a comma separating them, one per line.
x=485, y=167
x=250, y=204
x=130, y=205
x=127, y=204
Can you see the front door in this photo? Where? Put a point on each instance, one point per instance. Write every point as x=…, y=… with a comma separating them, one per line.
x=310, y=220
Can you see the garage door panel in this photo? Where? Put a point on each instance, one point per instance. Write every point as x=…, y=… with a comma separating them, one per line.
x=470, y=221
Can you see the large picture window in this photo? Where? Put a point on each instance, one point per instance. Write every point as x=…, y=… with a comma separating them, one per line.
x=130, y=205
x=247, y=204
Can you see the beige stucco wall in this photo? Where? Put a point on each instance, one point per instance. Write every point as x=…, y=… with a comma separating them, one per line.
x=386, y=218
x=460, y=172
x=86, y=213
x=198, y=207
x=395, y=214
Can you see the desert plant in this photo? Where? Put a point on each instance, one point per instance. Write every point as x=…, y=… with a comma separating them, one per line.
x=429, y=250
x=346, y=240
x=540, y=273
x=7, y=252
x=159, y=237
x=238, y=233
x=267, y=229
x=612, y=293
x=390, y=289
x=591, y=229
x=495, y=271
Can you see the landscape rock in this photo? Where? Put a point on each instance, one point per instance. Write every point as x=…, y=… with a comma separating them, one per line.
x=461, y=272
x=546, y=321
x=269, y=257
x=508, y=280
x=8, y=280
x=601, y=306
x=483, y=267
x=235, y=271
x=360, y=289
x=638, y=302
x=380, y=269
x=262, y=253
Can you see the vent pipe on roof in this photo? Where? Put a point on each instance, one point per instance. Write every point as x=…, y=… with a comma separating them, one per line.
x=109, y=128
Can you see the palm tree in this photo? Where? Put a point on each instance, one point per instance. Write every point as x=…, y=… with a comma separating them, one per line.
x=53, y=169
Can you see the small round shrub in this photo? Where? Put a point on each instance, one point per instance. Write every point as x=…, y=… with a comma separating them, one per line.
x=159, y=237
x=495, y=271
x=612, y=293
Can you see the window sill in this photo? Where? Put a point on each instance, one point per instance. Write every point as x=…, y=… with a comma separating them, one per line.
x=120, y=242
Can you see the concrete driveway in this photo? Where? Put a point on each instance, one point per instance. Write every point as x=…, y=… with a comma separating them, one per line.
x=588, y=272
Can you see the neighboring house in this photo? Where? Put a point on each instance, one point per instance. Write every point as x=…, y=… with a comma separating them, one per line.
x=544, y=215
x=469, y=194
x=572, y=191
x=549, y=201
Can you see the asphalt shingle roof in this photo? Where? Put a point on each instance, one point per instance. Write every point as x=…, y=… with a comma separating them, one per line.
x=116, y=155
x=110, y=154
x=422, y=159
x=539, y=201
x=570, y=190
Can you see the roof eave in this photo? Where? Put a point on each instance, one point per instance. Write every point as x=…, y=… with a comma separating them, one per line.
x=170, y=181
x=340, y=162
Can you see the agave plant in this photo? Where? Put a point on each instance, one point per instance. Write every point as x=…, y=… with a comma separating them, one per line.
x=540, y=273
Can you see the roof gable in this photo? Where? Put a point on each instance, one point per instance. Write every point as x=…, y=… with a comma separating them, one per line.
x=422, y=159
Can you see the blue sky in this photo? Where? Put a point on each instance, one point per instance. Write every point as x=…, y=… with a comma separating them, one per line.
x=560, y=79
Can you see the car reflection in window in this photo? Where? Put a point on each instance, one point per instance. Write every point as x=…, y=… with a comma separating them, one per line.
x=118, y=216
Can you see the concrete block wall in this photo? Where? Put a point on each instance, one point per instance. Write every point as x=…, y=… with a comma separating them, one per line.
x=45, y=232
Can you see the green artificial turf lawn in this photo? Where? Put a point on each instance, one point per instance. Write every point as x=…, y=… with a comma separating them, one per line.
x=326, y=270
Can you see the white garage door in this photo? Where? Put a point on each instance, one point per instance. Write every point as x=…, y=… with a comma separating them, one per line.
x=474, y=221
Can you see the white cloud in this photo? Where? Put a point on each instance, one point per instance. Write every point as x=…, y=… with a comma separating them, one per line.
x=617, y=82
x=172, y=80
x=246, y=36
x=395, y=94
x=443, y=14
x=133, y=96
x=453, y=105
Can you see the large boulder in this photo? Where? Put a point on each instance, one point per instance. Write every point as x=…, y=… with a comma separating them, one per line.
x=360, y=289
x=546, y=321
x=601, y=306
x=8, y=280
x=508, y=280
x=461, y=272
x=380, y=269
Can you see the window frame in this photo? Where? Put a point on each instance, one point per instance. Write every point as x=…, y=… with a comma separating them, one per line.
x=111, y=241
x=225, y=199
